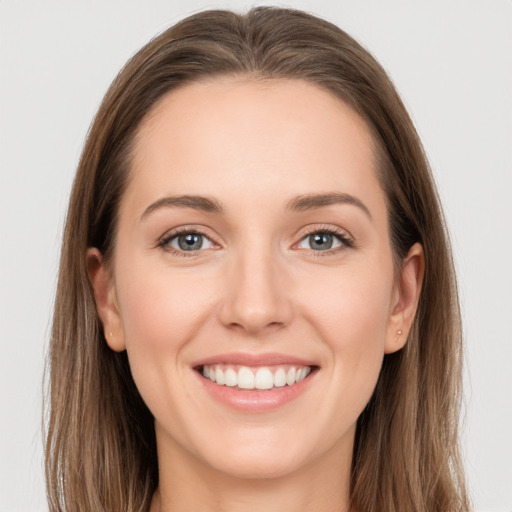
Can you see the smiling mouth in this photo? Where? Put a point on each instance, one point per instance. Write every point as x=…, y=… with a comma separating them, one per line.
x=255, y=378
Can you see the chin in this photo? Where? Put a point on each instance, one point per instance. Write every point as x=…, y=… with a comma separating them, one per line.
x=262, y=453
x=257, y=466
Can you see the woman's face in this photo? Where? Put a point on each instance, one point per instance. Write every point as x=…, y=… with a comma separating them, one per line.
x=253, y=250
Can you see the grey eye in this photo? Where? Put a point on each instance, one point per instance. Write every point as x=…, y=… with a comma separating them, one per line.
x=320, y=241
x=190, y=242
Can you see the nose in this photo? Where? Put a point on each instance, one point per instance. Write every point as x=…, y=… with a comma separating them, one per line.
x=257, y=297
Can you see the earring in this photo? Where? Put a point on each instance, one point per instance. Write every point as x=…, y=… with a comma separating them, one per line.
x=398, y=334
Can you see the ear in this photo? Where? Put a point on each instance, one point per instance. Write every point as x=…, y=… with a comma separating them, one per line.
x=406, y=297
x=106, y=303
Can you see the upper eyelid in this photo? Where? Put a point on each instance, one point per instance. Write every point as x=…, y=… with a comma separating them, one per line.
x=164, y=243
x=345, y=238
x=334, y=230
x=173, y=233
x=343, y=234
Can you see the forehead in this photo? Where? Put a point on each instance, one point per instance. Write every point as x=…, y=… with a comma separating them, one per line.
x=266, y=138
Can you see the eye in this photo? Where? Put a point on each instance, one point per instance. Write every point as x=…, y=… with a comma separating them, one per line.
x=186, y=241
x=324, y=240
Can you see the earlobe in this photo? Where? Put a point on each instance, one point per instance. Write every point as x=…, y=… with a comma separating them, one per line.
x=105, y=296
x=408, y=292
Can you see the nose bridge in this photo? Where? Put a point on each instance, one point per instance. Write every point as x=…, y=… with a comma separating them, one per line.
x=255, y=297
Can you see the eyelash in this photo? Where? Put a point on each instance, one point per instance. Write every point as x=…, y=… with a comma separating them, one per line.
x=166, y=240
x=342, y=236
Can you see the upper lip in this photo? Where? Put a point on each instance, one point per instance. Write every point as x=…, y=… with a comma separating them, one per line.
x=246, y=359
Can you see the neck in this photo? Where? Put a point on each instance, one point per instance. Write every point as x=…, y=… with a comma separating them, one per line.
x=187, y=484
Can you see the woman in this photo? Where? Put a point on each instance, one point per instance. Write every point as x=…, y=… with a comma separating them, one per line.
x=256, y=305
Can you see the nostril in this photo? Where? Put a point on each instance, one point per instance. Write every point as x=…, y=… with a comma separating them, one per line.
x=255, y=301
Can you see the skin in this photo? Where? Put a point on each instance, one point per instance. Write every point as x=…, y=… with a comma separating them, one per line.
x=257, y=286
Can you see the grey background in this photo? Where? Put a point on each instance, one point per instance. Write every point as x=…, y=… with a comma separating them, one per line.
x=450, y=59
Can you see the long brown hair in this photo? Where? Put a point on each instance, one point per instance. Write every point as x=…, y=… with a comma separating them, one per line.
x=100, y=447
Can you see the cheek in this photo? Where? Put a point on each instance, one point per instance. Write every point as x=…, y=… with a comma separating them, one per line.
x=353, y=305
x=160, y=312
x=160, y=308
x=351, y=315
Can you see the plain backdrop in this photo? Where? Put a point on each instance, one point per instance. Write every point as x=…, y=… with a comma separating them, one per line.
x=451, y=61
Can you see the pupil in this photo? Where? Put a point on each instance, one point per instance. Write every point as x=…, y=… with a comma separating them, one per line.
x=190, y=242
x=320, y=241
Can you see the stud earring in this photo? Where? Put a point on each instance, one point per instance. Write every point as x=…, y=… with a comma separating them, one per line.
x=398, y=334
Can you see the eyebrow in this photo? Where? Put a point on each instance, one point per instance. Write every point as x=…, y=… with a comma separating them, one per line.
x=297, y=204
x=201, y=203
x=312, y=201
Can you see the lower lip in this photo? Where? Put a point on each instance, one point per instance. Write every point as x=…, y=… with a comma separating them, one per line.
x=249, y=400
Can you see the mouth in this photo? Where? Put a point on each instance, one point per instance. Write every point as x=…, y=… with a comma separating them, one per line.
x=256, y=383
x=256, y=378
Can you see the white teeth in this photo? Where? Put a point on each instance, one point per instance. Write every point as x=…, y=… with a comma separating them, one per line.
x=250, y=378
x=219, y=376
x=290, y=376
x=230, y=377
x=280, y=378
x=264, y=379
x=245, y=378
